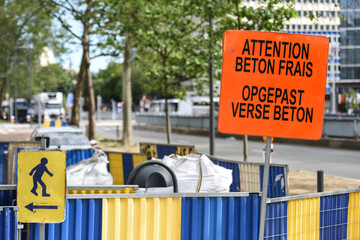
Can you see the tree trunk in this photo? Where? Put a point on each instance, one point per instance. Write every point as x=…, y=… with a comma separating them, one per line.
x=126, y=94
x=2, y=89
x=75, y=111
x=91, y=97
x=167, y=115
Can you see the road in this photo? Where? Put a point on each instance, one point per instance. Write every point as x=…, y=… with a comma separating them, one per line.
x=334, y=162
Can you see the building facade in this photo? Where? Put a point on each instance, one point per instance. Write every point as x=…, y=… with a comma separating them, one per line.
x=350, y=44
x=322, y=17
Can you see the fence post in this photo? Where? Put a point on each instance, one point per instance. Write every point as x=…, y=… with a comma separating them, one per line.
x=320, y=181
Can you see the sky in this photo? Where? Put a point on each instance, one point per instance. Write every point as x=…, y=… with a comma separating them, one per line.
x=76, y=52
x=75, y=58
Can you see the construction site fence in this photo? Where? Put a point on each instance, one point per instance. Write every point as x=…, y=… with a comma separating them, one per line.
x=328, y=215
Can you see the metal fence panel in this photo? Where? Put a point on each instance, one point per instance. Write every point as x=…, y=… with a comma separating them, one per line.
x=8, y=223
x=334, y=216
x=353, y=222
x=220, y=218
x=303, y=218
x=277, y=181
x=83, y=222
x=328, y=215
x=141, y=218
x=76, y=155
x=121, y=165
x=276, y=221
x=250, y=177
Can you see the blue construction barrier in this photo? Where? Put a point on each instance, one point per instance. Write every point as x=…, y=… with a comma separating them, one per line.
x=7, y=195
x=278, y=176
x=83, y=222
x=9, y=223
x=76, y=155
x=328, y=215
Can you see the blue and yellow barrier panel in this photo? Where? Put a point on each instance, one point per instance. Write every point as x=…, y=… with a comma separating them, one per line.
x=121, y=165
x=248, y=177
x=329, y=215
x=54, y=123
x=160, y=150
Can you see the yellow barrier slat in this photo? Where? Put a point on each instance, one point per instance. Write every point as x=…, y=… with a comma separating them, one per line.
x=58, y=123
x=47, y=124
x=141, y=218
x=353, y=225
x=138, y=158
x=150, y=150
x=116, y=168
x=125, y=190
x=182, y=150
x=117, y=221
x=303, y=219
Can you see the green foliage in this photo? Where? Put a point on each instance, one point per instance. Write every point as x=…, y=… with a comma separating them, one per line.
x=53, y=78
x=108, y=83
x=175, y=36
x=24, y=31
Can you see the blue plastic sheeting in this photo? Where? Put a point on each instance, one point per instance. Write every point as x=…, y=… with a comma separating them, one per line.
x=83, y=222
x=163, y=150
x=8, y=223
x=276, y=221
x=211, y=218
x=76, y=155
x=7, y=198
x=235, y=186
x=277, y=181
x=4, y=146
x=334, y=216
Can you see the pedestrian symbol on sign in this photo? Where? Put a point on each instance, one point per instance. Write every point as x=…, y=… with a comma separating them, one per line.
x=39, y=171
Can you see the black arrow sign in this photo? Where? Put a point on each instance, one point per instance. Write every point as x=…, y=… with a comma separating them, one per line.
x=31, y=207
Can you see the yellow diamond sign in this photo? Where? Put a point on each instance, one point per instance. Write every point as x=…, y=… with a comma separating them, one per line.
x=41, y=186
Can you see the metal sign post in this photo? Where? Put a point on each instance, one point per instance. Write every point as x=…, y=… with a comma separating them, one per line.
x=265, y=189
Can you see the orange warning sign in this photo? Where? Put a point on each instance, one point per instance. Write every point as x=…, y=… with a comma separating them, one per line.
x=273, y=84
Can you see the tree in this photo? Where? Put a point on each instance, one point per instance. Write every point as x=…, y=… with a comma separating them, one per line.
x=53, y=78
x=175, y=37
x=89, y=14
x=109, y=83
x=169, y=46
x=24, y=31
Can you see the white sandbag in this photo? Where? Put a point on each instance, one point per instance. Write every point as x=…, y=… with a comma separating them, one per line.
x=197, y=173
x=92, y=171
